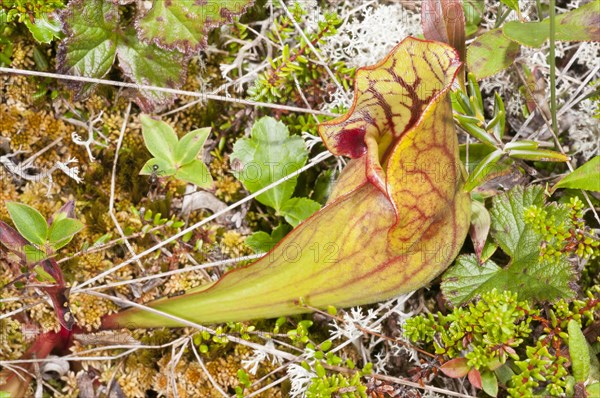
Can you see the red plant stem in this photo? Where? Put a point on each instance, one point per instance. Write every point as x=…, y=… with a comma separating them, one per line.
x=17, y=384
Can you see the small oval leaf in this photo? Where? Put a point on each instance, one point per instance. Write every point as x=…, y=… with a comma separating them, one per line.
x=196, y=173
x=29, y=222
x=455, y=368
x=159, y=137
x=62, y=231
x=189, y=146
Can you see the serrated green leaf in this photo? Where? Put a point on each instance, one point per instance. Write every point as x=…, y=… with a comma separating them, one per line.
x=580, y=24
x=92, y=35
x=160, y=139
x=263, y=242
x=95, y=38
x=62, y=231
x=29, y=222
x=508, y=224
x=185, y=24
x=491, y=53
x=260, y=242
x=195, y=172
x=44, y=30
x=529, y=274
x=296, y=210
x=267, y=156
x=586, y=177
x=148, y=64
x=467, y=278
x=189, y=146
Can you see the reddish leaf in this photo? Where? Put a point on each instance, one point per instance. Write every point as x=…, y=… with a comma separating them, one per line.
x=12, y=240
x=67, y=210
x=397, y=217
x=475, y=378
x=444, y=20
x=455, y=368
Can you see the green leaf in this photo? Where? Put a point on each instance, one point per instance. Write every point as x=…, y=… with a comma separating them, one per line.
x=486, y=167
x=189, y=146
x=579, y=352
x=580, y=24
x=148, y=64
x=480, y=226
x=323, y=186
x=260, y=242
x=44, y=30
x=185, y=24
x=491, y=53
x=512, y=4
x=41, y=275
x=540, y=155
x=477, y=152
x=159, y=137
x=267, y=156
x=489, y=383
x=263, y=242
x=593, y=390
x=62, y=231
x=91, y=43
x=29, y=222
x=195, y=172
x=95, y=37
x=296, y=210
x=488, y=251
x=529, y=274
x=34, y=255
x=473, y=10
x=585, y=177
x=467, y=278
x=159, y=167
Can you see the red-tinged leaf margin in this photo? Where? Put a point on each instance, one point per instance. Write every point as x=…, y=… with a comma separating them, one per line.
x=351, y=142
x=180, y=44
x=104, y=20
x=137, y=59
x=456, y=368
